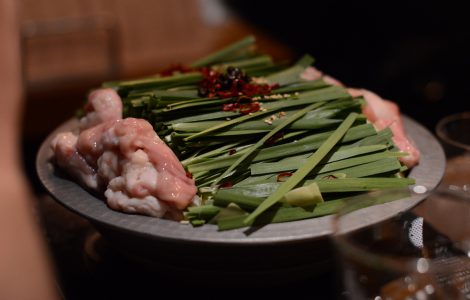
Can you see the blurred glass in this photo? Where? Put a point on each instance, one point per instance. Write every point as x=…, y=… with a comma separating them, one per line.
x=419, y=254
x=454, y=134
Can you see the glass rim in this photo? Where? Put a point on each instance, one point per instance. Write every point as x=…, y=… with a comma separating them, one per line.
x=441, y=132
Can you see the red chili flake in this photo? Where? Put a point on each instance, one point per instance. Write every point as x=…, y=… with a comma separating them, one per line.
x=256, y=89
x=207, y=87
x=226, y=185
x=173, y=68
x=189, y=175
x=230, y=107
x=249, y=108
x=330, y=177
x=233, y=84
x=226, y=94
x=243, y=104
x=232, y=151
x=274, y=138
x=281, y=177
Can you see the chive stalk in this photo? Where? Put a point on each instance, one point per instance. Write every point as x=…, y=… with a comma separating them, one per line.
x=224, y=53
x=263, y=140
x=312, y=161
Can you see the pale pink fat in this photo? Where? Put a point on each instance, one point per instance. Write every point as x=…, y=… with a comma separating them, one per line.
x=140, y=172
x=103, y=105
x=382, y=113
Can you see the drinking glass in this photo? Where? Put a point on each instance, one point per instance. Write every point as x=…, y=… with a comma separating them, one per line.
x=454, y=133
x=418, y=254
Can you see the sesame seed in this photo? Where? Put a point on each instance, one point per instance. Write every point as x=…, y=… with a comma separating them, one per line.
x=267, y=121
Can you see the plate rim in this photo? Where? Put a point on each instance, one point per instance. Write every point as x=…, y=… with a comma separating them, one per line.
x=67, y=193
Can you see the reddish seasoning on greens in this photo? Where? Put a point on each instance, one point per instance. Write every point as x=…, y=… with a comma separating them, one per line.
x=281, y=177
x=233, y=83
x=243, y=104
x=251, y=107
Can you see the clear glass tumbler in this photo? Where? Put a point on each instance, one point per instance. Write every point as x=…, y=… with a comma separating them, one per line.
x=454, y=133
x=418, y=254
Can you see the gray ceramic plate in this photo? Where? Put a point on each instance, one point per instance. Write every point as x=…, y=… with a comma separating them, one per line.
x=428, y=173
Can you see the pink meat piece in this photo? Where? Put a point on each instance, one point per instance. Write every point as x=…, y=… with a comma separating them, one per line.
x=401, y=141
x=127, y=159
x=90, y=142
x=383, y=113
x=70, y=160
x=378, y=108
x=103, y=105
x=140, y=147
x=138, y=170
x=312, y=73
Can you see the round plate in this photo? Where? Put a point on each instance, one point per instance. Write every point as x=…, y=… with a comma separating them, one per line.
x=428, y=173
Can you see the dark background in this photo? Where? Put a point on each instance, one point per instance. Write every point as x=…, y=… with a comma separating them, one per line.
x=416, y=53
